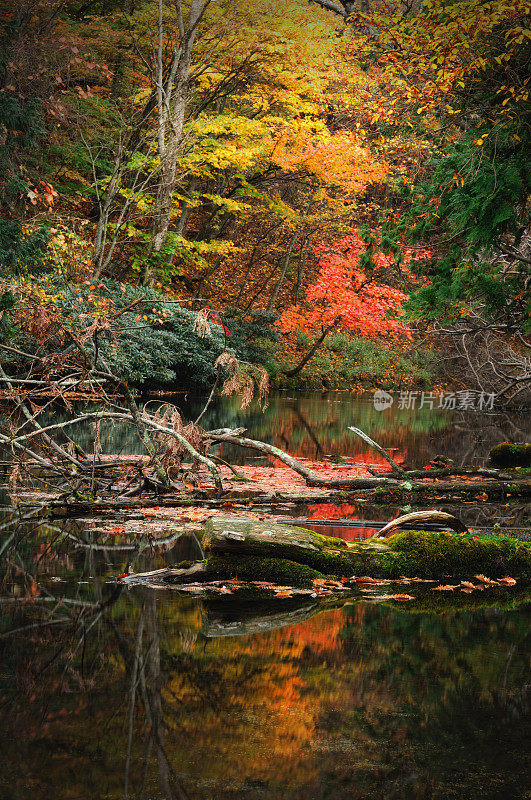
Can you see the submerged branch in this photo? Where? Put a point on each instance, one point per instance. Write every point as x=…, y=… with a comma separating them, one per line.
x=396, y=468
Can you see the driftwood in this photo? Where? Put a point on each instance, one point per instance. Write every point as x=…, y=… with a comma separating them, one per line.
x=423, y=516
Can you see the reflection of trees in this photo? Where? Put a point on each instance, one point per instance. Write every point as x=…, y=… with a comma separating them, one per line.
x=308, y=421
x=125, y=698
x=309, y=425
x=457, y=714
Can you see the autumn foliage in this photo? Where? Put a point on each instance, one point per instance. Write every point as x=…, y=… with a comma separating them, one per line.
x=347, y=297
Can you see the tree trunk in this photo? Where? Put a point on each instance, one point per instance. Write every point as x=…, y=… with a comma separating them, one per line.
x=285, y=264
x=311, y=352
x=172, y=98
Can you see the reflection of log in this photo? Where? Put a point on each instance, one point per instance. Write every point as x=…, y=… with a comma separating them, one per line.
x=238, y=620
x=423, y=516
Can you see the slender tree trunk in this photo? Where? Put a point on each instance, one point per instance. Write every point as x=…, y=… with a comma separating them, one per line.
x=172, y=96
x=285, y=264
x=311, y=352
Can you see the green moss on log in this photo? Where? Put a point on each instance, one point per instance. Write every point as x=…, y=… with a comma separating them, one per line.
x=251, y=568
x=511, y=455
x=434, y=555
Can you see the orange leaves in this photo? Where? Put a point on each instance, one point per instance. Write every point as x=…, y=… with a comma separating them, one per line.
x=337, y=158
x=327, y=583
x=483, y=583
x=489, y=582
x=400, y=597
x=114, y=530
x=447, y=588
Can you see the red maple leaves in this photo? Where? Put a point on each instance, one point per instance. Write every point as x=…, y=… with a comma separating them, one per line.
x=344, y=296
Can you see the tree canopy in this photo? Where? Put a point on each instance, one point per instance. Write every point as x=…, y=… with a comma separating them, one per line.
x=230, y=156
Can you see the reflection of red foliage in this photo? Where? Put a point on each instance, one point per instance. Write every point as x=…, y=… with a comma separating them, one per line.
x=321, y=634
x=329, y=511
x=373, y=459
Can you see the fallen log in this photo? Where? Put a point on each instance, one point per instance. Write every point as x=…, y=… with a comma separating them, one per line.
x=246, y=550
x=381, y=491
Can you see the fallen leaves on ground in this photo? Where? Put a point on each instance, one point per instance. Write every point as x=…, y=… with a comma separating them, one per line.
x=114, y=530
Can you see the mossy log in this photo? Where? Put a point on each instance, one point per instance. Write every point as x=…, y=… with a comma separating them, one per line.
x=247, y=550
x=423, y=554
x=511, y=455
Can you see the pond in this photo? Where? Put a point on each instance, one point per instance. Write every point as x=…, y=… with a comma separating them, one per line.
x=108, y=692
x=314, y=425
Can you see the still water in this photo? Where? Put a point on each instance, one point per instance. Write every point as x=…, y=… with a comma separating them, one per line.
x=112, y=693
x=138, y=694
x=314, y=425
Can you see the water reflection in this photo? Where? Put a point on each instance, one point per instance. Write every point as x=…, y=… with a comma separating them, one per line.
x=107, y=693
x=314, y=426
